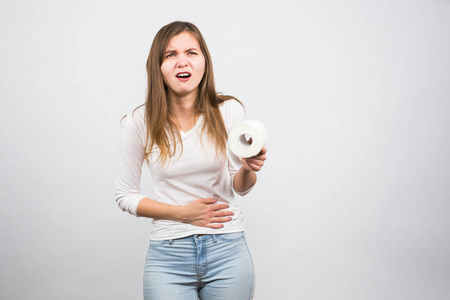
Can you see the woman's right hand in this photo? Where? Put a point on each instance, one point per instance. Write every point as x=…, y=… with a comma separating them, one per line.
x=204, y=213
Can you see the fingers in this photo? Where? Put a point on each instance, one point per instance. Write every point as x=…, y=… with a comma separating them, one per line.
x=208, y=200
x=215, y=226
x=211, y=201
x=223, y=213
x=254, y=167
x=213, y=215
x=259, y=158
x=261, y=154
x=255, y=163
x=221, y=220
x=219, y=206
x=217, y=223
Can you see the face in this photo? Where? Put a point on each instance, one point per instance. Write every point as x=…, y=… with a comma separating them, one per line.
x=183, y=65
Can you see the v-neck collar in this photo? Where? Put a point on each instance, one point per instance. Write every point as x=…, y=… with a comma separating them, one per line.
x=184, y=134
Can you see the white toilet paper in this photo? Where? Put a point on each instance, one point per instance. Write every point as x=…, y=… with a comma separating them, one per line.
x=238, y=144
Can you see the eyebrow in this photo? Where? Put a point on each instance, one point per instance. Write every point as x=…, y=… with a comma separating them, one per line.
x=187, y=50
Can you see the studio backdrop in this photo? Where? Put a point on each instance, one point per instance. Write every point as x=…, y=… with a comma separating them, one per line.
x=353, y=201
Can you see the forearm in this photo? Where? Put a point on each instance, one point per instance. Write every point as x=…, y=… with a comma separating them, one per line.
x=243, y=180
x=201, y=212
x=153, y=209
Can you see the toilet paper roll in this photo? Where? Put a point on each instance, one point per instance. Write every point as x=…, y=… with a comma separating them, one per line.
x=238, y=144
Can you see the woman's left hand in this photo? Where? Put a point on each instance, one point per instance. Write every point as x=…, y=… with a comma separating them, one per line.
x=255, y=163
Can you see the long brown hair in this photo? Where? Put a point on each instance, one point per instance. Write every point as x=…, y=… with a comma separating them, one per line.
x=160, y=128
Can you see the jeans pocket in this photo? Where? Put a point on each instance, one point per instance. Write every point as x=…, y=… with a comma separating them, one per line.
x=158, y=243
x=231, y=237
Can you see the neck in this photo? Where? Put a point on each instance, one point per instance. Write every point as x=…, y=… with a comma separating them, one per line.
x=182, y=106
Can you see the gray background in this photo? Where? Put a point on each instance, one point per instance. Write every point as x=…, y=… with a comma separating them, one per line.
x=353, y=202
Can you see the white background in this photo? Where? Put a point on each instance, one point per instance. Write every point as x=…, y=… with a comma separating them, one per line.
x=353, y=202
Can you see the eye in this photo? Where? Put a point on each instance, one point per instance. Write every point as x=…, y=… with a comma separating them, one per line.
x=192, y=53
x=170, y=55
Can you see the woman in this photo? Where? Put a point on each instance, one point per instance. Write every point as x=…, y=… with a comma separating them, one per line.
x=197, y=246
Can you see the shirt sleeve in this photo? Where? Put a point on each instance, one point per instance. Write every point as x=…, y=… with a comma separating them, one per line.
x=129, y=165
x=234, y=114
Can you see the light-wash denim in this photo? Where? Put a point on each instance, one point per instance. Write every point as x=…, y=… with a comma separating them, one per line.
x=206, y=267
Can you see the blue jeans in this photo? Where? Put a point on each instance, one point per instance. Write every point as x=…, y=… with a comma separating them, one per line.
x=206, y=267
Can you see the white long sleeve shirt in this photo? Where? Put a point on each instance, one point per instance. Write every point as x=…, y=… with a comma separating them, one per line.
x=195, y=173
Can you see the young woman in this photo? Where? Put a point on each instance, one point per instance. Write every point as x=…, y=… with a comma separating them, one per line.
x=197, y=246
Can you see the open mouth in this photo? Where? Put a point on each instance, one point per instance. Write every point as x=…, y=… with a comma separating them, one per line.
x=183, y=75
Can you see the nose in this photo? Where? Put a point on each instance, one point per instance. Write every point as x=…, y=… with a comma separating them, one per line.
x=182, y=61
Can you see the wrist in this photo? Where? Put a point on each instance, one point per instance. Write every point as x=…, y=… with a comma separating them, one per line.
x=181, y=213
x=246, y=173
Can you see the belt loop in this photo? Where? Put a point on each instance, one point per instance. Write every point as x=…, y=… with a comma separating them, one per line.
x=171, y=242
x=214, y=238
